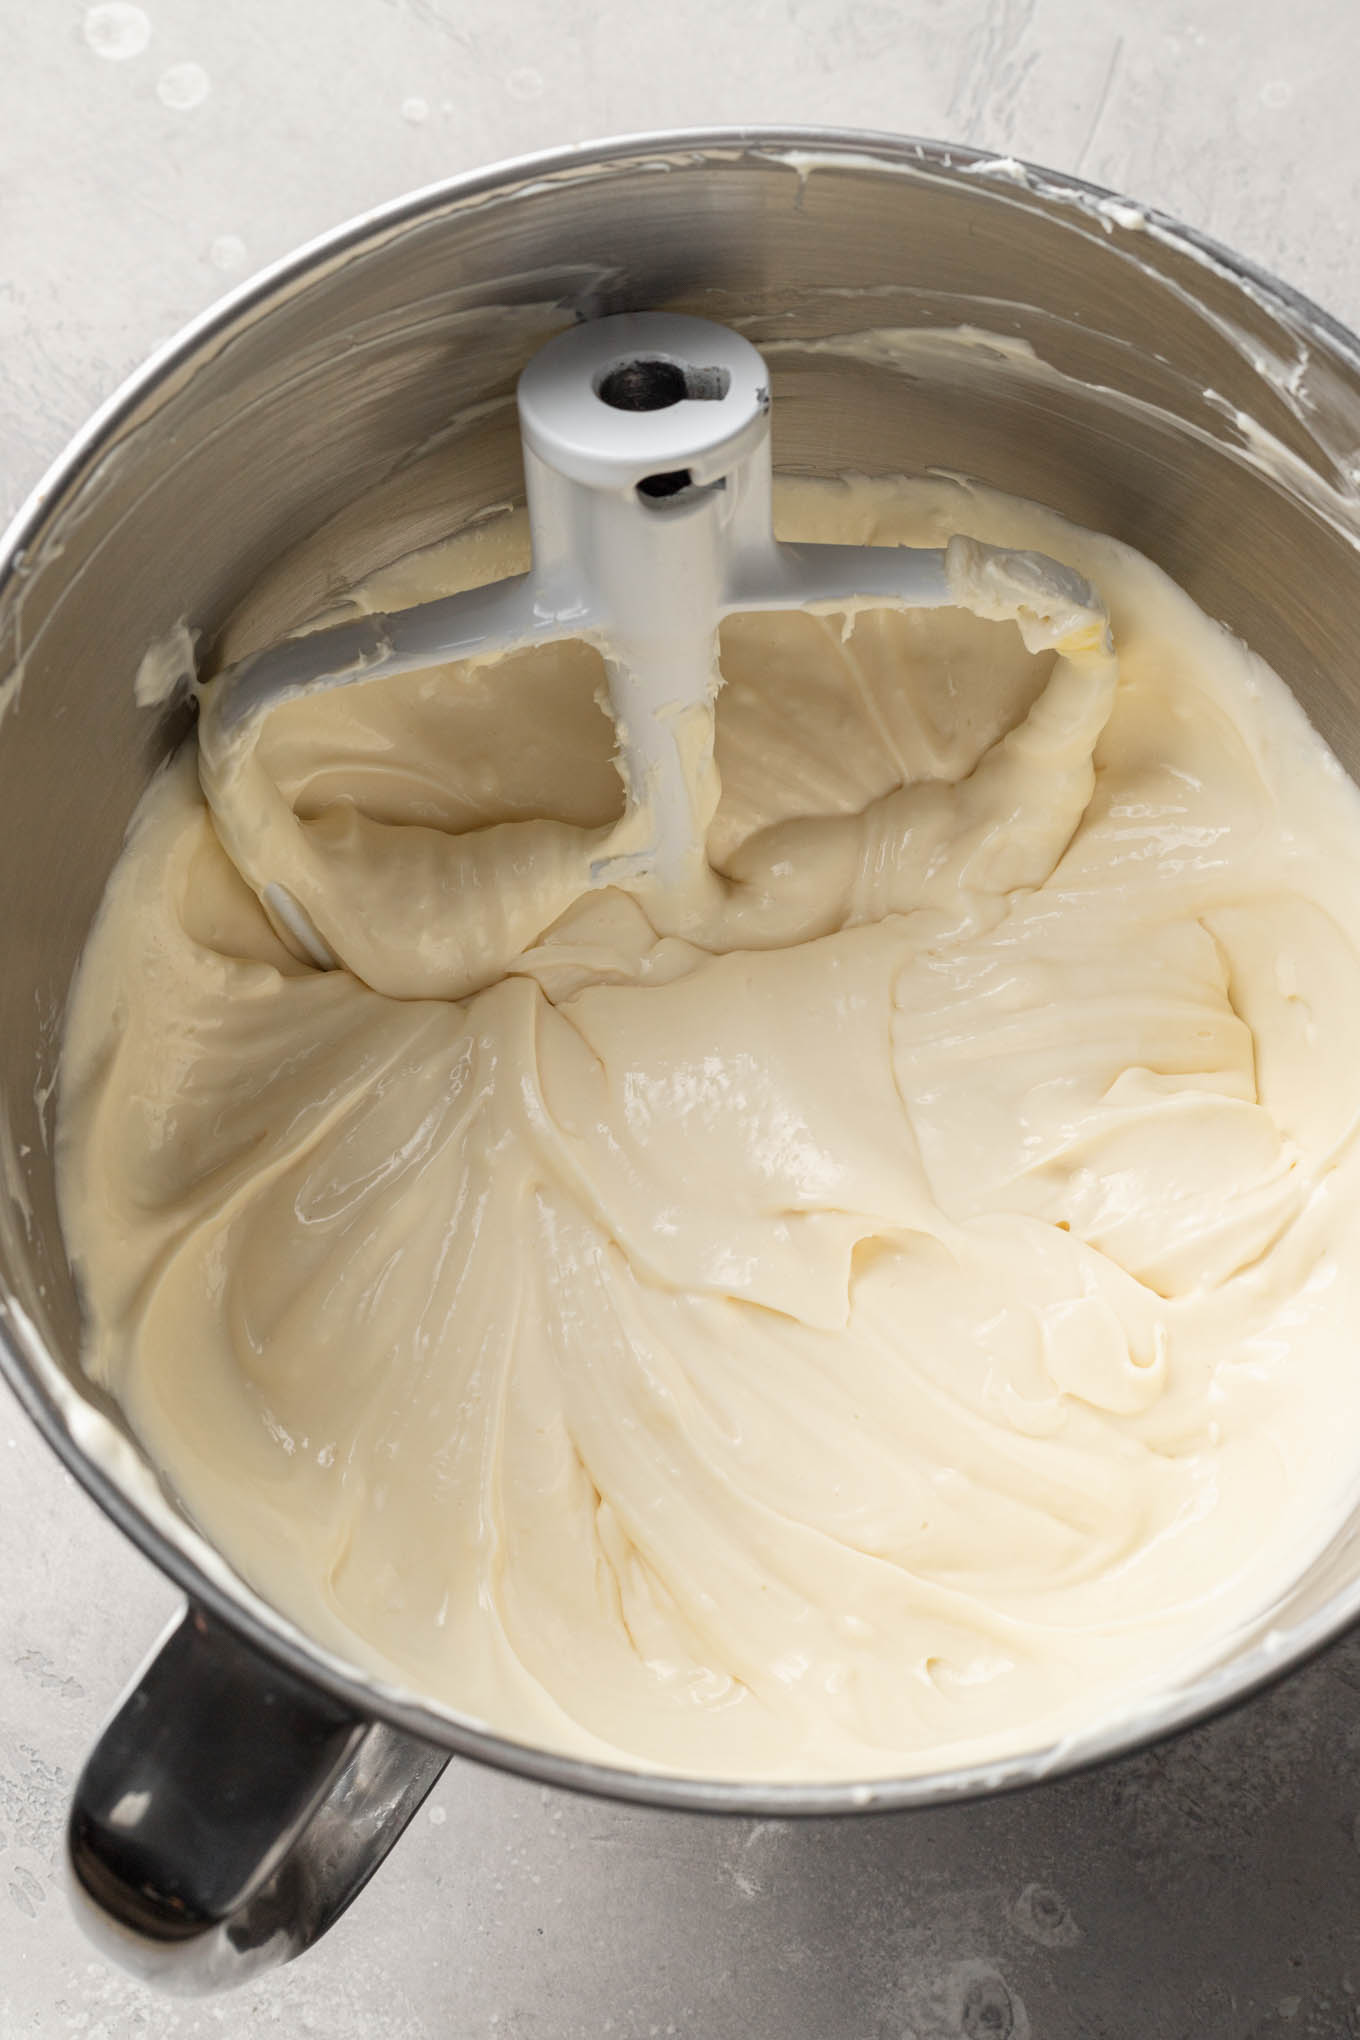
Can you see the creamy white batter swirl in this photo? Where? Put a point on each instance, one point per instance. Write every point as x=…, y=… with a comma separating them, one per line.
x=897, y=1317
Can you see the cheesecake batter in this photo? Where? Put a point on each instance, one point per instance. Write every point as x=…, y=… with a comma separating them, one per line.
x=897, y=1314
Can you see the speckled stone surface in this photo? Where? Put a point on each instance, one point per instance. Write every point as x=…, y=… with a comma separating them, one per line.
x=150, y=157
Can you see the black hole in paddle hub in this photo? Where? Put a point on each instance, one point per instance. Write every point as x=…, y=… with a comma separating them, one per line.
x=643, y=386
x=651, y=383
x=657, y=486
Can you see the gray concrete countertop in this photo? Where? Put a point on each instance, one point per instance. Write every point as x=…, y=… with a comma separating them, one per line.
x=152, y=156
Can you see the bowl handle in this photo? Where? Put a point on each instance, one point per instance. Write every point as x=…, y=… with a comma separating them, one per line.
x=230, y=1811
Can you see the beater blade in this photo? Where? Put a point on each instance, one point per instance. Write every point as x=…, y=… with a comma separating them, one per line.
x=646, y=442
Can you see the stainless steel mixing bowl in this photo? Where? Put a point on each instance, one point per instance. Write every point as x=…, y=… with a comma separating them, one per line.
x=1146, y=382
